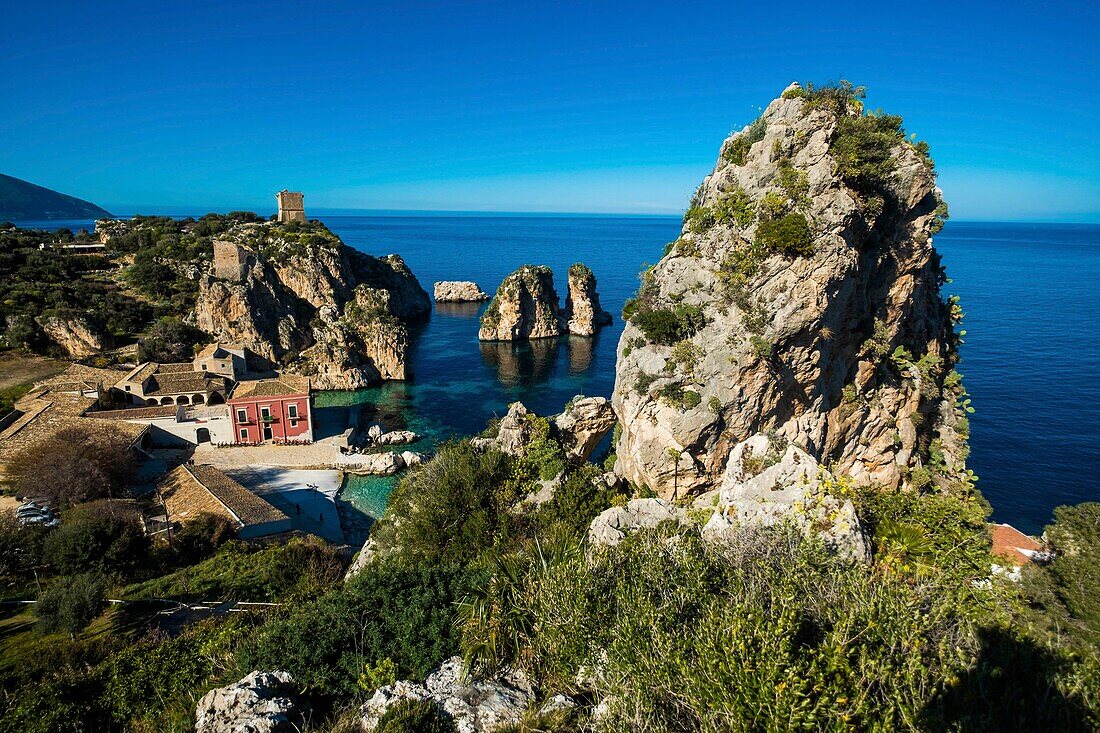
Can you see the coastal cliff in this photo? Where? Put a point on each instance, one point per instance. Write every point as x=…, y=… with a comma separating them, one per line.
x=802, y=299
x=298, y=296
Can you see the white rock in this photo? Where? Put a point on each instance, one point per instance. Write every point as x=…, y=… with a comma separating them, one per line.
x=459, y=291
x=262, y=702
x=614, y=524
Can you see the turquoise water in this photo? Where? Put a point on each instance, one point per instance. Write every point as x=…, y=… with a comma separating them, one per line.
x=1031, y=360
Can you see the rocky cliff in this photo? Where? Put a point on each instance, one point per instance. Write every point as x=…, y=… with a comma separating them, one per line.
x=803, y=300
x=298, y=296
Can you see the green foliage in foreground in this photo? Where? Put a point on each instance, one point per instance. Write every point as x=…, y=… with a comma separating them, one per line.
x=389, y=612
x=302, y=568
x=415, y=716
x=789, y=235
x=71, y=604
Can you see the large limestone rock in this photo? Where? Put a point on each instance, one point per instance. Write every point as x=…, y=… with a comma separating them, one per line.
x=459, y=291
x=312, y=304
x=513, y=432
x=73, y=335
x=262, y=702
x=583, y=314
x=769, y=482
x=524, y=307
x=582, y=425
x=613, y=525
x=475, y=705
x=846, y=350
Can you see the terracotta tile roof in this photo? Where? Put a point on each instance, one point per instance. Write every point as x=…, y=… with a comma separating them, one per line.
x=1013, y=545
x=183, y=382
x=176, y=367
x=190, y=490
x=44, y=417
x=80, y=378
x=218, y=349
x=141, y=372
x=136, y=413
x=284, y=384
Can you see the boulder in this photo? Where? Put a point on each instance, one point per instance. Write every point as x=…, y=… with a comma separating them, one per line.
x=514, y=432
x=412, y=458
x=475, y=705
x=397, y=437
x=73, y=334
x=583, y=424
x=262, y=702
x=372, y=464
x=769, y=482
x=844, y=345
x=583, y=315
x=613, y=525
x=459, y=291
x=525, y=307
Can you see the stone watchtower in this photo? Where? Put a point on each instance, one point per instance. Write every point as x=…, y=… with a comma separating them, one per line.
x=291, y=207
x=231, y=261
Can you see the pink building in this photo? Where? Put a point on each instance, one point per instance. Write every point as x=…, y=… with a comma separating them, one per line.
x=273, y=410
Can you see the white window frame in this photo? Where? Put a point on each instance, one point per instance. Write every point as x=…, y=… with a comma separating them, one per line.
x=242, y=414
x=292, y=411
x=244, y=434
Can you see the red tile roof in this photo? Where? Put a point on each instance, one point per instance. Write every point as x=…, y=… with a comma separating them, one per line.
x=1013, y=545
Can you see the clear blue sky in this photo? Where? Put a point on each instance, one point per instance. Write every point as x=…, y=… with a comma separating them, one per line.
x=515, y=106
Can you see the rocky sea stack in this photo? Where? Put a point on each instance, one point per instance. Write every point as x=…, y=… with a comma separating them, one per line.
x=802, y=300
x=298, y=296
x=526, y=306
x=459, y=291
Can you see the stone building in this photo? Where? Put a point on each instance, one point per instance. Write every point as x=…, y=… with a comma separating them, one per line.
x=291, y=206
x=231, y=261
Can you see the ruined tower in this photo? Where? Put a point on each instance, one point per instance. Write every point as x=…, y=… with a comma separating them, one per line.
x=231, y=261
x=291, y=207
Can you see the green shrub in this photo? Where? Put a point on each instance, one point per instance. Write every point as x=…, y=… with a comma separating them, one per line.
x=98, y=536
x=738, y=149
x=761, y=346
x=795, y=183
x=300, y=569
x=699, y=219
x=390, y=610
x=71, y=603
x=669, y=325
x=680, y=398
x=735, y=207
x=545, y=457
x=836, y=97
x=200, y=537
x=452, y=508
x=415, y=716
x=862, y=148
x=789, y=236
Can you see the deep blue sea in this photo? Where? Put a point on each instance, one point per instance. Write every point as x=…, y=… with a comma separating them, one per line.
x=1031, y=358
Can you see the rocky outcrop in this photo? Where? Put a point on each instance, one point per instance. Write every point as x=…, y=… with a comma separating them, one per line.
x=583, y=315
x=525, y=307
x=582, y=425
x=459, y=291
x=262, y=702
x=475, y=705
x=513, y=432
x=613, y=525
x=769, y=482
x=802, y=298
x=301, y=298
x=73, y=335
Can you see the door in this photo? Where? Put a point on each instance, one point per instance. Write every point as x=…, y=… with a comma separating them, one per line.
x=265, y=420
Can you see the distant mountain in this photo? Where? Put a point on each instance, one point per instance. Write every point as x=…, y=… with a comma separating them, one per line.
x=22, y=200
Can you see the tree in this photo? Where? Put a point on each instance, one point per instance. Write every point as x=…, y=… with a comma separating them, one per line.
x=20, y=547
x=73, y=465
x=71, y=603
x=169, y=340
x=97, y=536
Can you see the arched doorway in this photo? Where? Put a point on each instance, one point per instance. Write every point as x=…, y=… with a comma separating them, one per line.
x=152, y=401
x=182, y=400
x=198, y=399
x=165, y=400
x=202, y=435
x=216, y=398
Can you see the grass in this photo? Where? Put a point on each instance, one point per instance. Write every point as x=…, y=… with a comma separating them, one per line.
x=18, y=373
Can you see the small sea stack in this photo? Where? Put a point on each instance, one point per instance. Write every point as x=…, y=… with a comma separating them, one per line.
x=459, y=291
x=525, y=307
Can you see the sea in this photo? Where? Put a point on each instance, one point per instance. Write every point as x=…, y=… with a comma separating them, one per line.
x=1030, y=358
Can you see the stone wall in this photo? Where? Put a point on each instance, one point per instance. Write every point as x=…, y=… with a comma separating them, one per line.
x=291, y=206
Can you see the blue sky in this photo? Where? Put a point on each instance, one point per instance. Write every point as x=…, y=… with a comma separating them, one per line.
x=512, y=106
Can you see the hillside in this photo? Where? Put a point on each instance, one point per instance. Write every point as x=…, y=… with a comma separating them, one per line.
x=24, y=200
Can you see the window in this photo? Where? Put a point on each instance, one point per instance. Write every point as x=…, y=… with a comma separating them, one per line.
x=292, y=412
x=242, y=414
x=244, y=435
x=265, y=413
